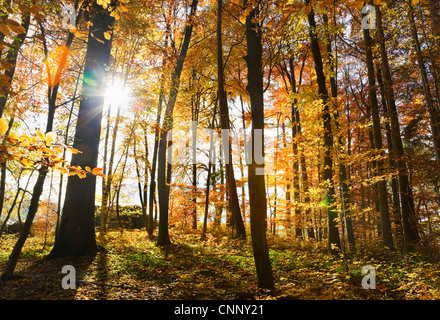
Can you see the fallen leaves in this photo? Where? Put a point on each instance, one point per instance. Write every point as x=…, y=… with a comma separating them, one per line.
x=133, y=268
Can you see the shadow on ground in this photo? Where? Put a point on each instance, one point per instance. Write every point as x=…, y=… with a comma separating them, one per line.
x=42, y=279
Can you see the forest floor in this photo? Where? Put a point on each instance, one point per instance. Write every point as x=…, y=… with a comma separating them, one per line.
x=134, y=268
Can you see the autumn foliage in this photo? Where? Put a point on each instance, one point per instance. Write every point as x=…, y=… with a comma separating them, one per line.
x=347, y=173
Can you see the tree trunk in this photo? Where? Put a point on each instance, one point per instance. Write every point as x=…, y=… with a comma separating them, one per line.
x=407, y=205
x=42, y=173
x=343, y=182
x=387, y=237
x=434, y=115
x=12, y=56
x=163, y=191
x=395, y=215
x=257, y=191
x=225, y=126
x=334, y=243
x=76, y=236
x=208, y=179
x=108, y=181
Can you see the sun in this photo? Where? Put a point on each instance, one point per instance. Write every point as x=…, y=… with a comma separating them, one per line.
x=117, y=95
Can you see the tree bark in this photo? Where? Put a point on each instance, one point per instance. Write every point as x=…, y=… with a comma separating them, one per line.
x=334, y=243
x=12, y=56
x=434, y=115
x=163, y=191
x=256, y=183
x=387, y=237
x=225, y=126
x=343, y=177
x=76, y=236
x=406, y=199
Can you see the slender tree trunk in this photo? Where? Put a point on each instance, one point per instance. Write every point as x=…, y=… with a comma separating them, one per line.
x=3, y=169
x=42, y=173
x=334, y=243
x=195, y=106
x=343, y=182
x=76, y=236
x=387, y=237
x=225, y=126
x=8, y=215
x=12, y=56
x=163, y=235
x=296, y=130
x=395, y=215
x=109, y=172
x=208, y=179
x=257, y=192
x=406, y=199
x=434, y=114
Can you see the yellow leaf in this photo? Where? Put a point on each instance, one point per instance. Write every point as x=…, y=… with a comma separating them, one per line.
x=97, y=171
x=88, y=169
x=107, y=35
x=72, y=29
x=26, y=162
x=308, y=9
x=15, y=26
x=4, y=29
x=51, y=137
x=82, y=174
x=13, y=135
x=73, y=150
x=40, y=135
x=3, y=126
x=56, y=64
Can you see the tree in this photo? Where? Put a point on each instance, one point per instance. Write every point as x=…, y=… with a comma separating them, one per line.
x=377, y=136
x=44, y=167
x=76, y=236
x=163, y=190
x=406, y=195
x=225, y=126
x=333, y=232
x=434, y=114
x=257, y=191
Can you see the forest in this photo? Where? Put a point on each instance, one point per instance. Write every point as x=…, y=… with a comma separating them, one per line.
x=219, y=149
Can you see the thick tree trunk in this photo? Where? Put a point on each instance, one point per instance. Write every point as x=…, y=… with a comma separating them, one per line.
x=257, y=191
x=76, y=236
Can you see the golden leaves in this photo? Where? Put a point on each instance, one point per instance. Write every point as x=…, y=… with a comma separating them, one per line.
x=40, y=149
x=50, y=137
x=308, y=9
x=107, y=35
x=56, y=64
x=11, y=25
x=104, y=3
x=3, y=126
